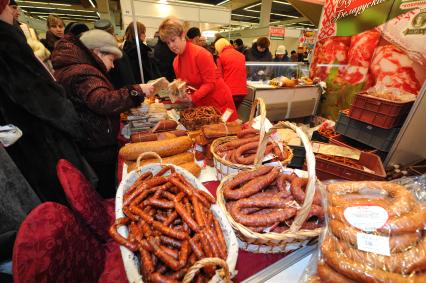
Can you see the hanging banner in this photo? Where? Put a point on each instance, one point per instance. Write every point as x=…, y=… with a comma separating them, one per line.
x=276, y=33
x=363, y=44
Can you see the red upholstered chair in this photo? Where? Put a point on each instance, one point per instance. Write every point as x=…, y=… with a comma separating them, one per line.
x=53, y=246
x=96, y=212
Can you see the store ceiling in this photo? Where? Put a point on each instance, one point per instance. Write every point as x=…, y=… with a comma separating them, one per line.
x=70, y=10
x=247, y=11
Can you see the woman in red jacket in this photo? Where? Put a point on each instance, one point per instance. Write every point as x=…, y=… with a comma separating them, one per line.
x=232, y=66
x=194, y=65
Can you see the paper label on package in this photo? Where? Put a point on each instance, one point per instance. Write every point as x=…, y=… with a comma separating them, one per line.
x=335, y=150
x=226, y=115
x=256, y=124
x=366, y=218
x=373, y=243
x=198, y=147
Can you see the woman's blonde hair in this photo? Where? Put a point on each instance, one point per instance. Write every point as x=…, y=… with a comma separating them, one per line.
x=130, y=31
x=52, y=20
x=169, y=28
x=220, y=44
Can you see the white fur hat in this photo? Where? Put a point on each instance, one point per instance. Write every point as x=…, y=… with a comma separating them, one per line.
x=101, y=39
x=280, y=50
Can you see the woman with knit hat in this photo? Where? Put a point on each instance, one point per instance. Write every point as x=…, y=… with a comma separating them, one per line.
x=31, y=100
x=194, y=65
x=81, y=66
x=232, y=66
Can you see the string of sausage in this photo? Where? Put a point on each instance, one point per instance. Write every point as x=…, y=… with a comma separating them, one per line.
x=259, y=200
x=171, y=226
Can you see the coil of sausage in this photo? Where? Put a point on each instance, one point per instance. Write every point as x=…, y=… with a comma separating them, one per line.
x=170, y=226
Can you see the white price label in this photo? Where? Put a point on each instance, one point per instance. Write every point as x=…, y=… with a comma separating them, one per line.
x=366, y=218
x=256, y=124
x=226, y=115
x=373, y=243
x=199, y=147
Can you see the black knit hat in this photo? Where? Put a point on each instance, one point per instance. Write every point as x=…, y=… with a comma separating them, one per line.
x=75, y=28
x=193, y=32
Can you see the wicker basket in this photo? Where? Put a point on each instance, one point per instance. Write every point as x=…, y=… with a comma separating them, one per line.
x=294, y=237
x=131, y=261
x=225, y=167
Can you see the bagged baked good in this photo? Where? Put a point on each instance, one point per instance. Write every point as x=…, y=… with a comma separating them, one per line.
x=375, y=233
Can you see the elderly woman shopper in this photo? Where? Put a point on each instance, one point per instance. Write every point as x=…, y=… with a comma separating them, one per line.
x=82, y=67
x=232, y=66
x=195, y=65
x=32, y=101
x=55, y=31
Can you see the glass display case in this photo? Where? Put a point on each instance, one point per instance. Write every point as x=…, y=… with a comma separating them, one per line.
x=282, y=103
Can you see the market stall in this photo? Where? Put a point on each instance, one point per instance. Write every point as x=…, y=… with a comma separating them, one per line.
x=284, y=86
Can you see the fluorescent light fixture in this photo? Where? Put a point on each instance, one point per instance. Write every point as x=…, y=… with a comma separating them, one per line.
x=57, y=9
x=284, y=15
x=252, y=6
x=223, y=2
x=244, y=16
x=91, y=3
x=193, y=3
x=71, y=15
x=45, y=3
x=99, y=15
x=281, y=2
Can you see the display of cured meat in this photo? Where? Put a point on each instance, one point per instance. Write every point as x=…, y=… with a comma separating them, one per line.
x=362, y=48
x=392, y=68
x=265, y=200
x=195, y=118
x=171, y=227
x=330, y=52
x=243, y=149
x=375, y=234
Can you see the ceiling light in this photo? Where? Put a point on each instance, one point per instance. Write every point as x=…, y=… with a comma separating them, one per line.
x=99, y=15
x=46, y=3
x=223, y=2
x=252, y=6
x=57, y=9
x=281, y=2
x=244, y=16
x=284, y=15
x=91, y=3
x=46, y=13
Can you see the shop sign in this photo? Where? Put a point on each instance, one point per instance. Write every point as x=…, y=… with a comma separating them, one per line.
x=276, y=33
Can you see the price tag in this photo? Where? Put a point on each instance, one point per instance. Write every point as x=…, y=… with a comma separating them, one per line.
x=373, y=243
x=366, y=218
x=226, y=115
x=256, y=124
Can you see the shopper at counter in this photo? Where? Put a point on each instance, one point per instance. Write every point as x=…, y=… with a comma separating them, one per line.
x=122, y=74
x=239, y=45
x=81, y=67
x=259, y=52
x=55, y=31
x=193, y=34
x=150, y=71
x=195, y=65
x=232, y=66
x=31, y=100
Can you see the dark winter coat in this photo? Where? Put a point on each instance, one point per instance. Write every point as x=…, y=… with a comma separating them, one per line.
x=122, y=75
x=164, y=59
x=252, y=54
x=150, y=70
x=32, y=101
x=97, y=103
x=50, y=41
x=258, y=72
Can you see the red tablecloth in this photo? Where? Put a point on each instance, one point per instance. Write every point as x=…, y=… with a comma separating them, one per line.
x=248, y=263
